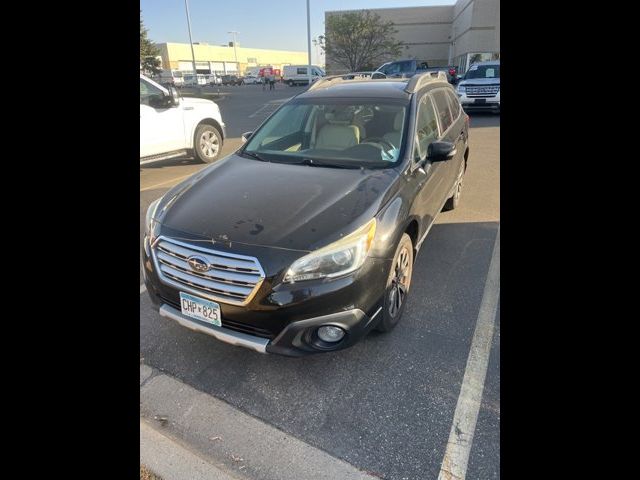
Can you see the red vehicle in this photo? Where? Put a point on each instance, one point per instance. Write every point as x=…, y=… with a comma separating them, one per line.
x=266, y=71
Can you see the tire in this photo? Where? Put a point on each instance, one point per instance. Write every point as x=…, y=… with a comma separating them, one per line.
x=207, y=143
x=453, y=201
x=395, y=295
x=290, y=83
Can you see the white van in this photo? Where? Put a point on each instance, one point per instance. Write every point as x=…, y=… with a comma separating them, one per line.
x=173, y=77
x=298, y=74
x=200, y=79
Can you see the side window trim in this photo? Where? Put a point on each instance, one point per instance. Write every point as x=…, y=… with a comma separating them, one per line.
x=422, y=103
x=435, y=110
x=453, y=103
x=453, y=120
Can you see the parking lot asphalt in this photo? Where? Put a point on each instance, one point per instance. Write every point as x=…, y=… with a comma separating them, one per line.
x=387, y=404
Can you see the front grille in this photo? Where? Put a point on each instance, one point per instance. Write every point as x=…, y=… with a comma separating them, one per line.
x=482, y=91
x=231, y=278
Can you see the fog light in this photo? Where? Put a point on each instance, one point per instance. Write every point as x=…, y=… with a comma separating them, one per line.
x=330, y=334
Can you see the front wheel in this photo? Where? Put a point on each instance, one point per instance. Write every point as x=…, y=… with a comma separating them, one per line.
x=398, y=285
x=207, y=143
x=290, y=82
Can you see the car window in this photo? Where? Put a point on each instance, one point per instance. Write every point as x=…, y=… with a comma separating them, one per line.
x=302, y=71
x=442, y=105
x=391, y=69
x=483, y=71
x=351, y=132
x=147, y=91
x=406, y=66
x=426, y=126
x=454, y=104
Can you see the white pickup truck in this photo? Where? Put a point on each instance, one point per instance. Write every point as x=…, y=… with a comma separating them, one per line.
x=172, y=126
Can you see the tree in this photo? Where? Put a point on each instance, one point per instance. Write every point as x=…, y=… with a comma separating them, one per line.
x=149, y=63
x=359, y=40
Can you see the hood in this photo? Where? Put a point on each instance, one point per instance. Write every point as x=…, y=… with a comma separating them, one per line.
x=197, y=101
x=480, y=81
x=274, y=204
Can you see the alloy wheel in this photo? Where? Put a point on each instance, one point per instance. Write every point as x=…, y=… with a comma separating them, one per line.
x=400, y=282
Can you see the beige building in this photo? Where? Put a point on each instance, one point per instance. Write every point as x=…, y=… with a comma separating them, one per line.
x=225, y=58
x=443, y=35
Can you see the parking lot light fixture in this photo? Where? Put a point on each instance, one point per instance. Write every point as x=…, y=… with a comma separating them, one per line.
x=309, y=42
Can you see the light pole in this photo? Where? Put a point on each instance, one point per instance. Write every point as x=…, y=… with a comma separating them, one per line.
x=235, y=51
x=193, y=55
x=317, y=44
x=309, y=42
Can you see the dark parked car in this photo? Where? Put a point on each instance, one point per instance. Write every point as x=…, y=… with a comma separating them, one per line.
x=401, y=69
x=304, y=239
x=232, y=80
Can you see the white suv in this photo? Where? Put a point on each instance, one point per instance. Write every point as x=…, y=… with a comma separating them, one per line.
x=480, y=87
x=172, y=126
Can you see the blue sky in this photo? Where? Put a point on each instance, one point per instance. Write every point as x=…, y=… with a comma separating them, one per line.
x=276, y=24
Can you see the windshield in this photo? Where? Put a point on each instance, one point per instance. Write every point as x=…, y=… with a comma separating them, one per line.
x=350, y=133
x=483, y=71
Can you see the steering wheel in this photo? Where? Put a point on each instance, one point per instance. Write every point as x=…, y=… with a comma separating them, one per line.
x=382, y=141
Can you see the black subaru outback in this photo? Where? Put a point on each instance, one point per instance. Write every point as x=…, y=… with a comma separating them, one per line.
x=304, y=239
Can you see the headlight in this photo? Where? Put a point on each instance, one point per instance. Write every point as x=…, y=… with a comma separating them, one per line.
x=461, y=89
x=339, y=258
x=149, y=221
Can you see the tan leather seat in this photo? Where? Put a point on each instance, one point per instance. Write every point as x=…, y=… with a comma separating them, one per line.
x=394, y=137
x=337, y=135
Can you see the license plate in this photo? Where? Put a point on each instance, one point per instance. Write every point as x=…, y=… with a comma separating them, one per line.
x=200, y=309
x=480, y=100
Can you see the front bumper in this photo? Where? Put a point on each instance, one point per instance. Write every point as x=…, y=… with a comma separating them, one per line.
x=480, y=103
x=282, y=318
x=292, y=341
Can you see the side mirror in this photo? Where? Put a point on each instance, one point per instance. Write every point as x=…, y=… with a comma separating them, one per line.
x=174, y=95
x=440, y=151
x=246, y=136
x=378, y=75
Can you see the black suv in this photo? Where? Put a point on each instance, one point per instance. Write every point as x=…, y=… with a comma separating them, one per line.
x=232, y=80
x=304, y=239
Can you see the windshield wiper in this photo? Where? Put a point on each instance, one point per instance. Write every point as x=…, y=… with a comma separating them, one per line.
x=319, y=163
x=255, y=155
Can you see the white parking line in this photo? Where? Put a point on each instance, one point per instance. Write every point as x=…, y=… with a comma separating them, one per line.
x=142, y=289
x=456, y=457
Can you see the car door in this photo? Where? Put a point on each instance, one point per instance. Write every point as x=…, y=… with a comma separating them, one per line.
x=429, y=177
x=161, y=127
x=450, y=131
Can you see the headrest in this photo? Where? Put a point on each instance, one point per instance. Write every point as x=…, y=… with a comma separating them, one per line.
x=339, y=118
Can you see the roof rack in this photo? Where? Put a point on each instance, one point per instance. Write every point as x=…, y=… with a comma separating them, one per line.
x=418, y=81
x=333, y=79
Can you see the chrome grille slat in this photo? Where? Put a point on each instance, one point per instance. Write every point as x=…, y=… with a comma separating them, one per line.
x=232, y=278
x=482, y=90
x=204, y=289
x=204, y=283
x=222, y=261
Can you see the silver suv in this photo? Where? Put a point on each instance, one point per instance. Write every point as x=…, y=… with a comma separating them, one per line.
x=480, y=87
